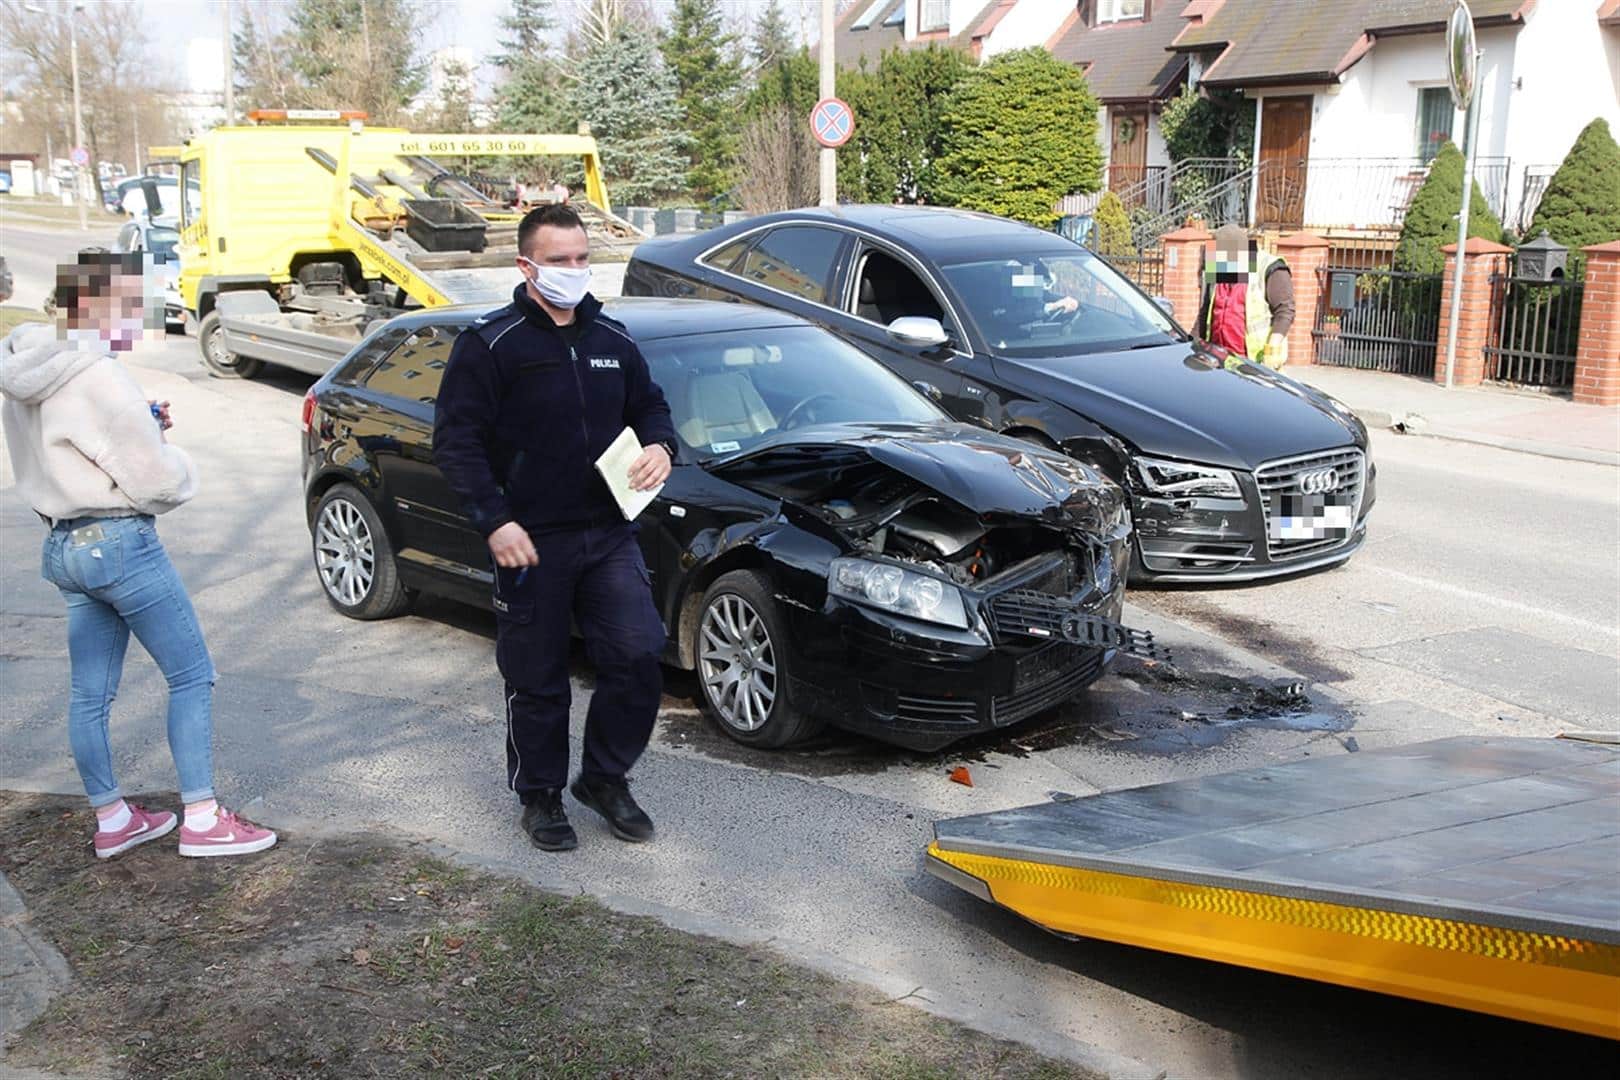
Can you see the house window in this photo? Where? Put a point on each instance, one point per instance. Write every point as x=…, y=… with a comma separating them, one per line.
x=897, y=17
x=1109, y=11
x=1434, y=119
x=869, y=14
x=936, y=15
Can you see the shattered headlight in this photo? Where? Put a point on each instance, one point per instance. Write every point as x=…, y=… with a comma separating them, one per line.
x=1178, y=480
x=904, y=592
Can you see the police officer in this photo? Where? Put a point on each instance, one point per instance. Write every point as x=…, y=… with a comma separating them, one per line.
x=532, y=396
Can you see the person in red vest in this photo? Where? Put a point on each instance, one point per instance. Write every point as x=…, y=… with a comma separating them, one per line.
x=1248, y=302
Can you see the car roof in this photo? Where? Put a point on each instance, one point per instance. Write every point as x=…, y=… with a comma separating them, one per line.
x=647, y=318
x=933, y=233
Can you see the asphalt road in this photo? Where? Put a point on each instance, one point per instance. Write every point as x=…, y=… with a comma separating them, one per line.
x=1484, y=603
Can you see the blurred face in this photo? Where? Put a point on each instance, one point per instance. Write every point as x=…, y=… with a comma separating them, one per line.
x=114, y=300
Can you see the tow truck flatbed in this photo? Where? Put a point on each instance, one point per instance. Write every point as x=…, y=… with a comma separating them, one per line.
x=1481, y=873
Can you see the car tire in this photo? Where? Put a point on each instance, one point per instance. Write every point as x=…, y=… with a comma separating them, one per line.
x=739, y=635
x=221, y=363
x=354, y=559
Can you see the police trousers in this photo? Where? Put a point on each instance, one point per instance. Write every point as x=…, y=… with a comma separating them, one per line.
x=594, y=578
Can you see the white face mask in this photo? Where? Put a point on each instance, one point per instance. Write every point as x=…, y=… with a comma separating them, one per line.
x=563, y=287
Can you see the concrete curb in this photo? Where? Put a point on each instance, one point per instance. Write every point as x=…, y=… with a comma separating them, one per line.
x=32, y=972
x=1382, y=420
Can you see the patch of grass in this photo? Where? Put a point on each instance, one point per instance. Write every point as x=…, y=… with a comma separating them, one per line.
x=358, y=956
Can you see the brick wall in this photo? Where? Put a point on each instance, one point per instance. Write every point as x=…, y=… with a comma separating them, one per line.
x=1475, y=317
x=1597, y=356
x=1183, y=272
x=1305, y=253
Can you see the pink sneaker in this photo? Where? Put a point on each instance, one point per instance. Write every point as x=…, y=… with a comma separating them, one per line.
x=230, y=835
x=143, y=825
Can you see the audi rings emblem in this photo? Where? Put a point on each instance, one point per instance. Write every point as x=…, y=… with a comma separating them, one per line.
x=1319, y=481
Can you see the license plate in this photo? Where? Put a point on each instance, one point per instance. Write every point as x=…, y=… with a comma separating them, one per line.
x=1042, y=667
x=1313, y=523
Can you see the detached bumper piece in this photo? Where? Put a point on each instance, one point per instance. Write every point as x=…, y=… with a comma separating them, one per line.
x=1026, y=613
x=1478, y=873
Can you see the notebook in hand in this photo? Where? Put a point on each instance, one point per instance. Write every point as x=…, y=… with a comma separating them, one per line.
x=614, y=465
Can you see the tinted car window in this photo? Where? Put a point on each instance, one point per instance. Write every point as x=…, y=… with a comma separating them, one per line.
x=1008, y=299
x=365, y=358
x=726, y=258
x=161, y=242
x=797, y=259
x=413, y=370
x=730, y=390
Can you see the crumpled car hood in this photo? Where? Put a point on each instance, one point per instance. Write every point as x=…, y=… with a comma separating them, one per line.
x=990, y=475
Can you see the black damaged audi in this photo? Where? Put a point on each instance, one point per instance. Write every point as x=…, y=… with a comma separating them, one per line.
x=830, y=549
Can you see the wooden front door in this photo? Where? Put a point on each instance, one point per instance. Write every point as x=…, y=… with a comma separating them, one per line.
x=1285, y=141
x=1128, y=155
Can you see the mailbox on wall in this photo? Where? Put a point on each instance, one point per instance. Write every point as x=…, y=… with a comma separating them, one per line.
x=1342, y=290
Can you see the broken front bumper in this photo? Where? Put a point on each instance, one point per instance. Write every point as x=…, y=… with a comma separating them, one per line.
x=924, y=687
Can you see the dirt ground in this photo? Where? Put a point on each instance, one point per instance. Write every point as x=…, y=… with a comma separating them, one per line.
x=361, y=957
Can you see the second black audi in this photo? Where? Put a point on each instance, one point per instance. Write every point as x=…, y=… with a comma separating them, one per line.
x=1234, y=470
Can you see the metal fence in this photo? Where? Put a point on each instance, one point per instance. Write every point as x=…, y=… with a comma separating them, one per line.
x=1536, y=330
x=1146, y=268
x=1377, y=318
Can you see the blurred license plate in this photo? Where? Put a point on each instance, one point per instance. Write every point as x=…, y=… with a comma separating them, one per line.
x=1324, y=523
x=1043, y=666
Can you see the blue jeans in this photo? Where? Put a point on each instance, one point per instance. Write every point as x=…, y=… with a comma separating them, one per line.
x=116, y=578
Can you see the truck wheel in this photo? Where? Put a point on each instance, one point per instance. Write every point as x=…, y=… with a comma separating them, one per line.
x=742, y=663
x=354, y=559
x=221, y=363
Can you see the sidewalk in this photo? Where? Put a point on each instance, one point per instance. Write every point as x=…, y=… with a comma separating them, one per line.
x=32, y=972
x=1525, y=421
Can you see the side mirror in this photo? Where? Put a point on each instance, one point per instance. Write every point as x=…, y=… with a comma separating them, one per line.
x=919, y=331
x=1165, y=305
x=154, y=203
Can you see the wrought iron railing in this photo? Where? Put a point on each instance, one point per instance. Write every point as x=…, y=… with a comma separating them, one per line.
x=1531, y=189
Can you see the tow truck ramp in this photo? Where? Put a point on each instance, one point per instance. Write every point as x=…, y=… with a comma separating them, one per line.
x=1479, y=873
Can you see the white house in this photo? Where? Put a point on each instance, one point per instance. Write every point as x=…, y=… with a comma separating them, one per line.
x=1352, y=98
x=1351, y=94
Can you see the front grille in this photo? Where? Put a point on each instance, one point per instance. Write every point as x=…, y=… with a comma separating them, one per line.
x=918, y=712
x=1281, y=491
x=1066, y=673
x=1025, y=612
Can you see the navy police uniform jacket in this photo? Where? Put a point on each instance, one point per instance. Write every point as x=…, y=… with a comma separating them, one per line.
x=526, y=407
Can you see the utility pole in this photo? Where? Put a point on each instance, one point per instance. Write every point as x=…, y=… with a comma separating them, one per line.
x=829, y=88
x=230, y=75
x=78, y=116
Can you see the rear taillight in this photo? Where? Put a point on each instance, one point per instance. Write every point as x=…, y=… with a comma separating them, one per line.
x=309, y=411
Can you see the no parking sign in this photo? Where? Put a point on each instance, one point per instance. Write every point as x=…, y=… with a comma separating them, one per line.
x=832, y=122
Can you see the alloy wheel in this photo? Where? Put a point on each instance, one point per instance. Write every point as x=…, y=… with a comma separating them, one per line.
x=344, y=552
x=737, y=662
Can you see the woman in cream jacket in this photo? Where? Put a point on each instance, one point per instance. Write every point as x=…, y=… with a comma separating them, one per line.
x=90, y=456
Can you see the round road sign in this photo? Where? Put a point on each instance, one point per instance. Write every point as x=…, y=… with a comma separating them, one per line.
x=80, y=156
x=832, y=122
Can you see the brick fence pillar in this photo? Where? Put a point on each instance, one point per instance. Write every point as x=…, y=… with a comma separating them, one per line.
x=1305, y=253
x=1481, y=259
x=1597, y=353
x=1183, y=272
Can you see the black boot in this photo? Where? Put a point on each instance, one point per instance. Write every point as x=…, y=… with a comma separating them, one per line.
x=545, y=822
x=610, y=797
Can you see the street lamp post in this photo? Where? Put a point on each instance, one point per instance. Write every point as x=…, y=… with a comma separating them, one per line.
x=78, y=111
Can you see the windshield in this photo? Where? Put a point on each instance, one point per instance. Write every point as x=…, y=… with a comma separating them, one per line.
x=1059, y=303
x=161, y=242
x=731, y=390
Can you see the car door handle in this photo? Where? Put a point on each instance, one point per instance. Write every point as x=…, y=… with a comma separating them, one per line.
x=929, y=389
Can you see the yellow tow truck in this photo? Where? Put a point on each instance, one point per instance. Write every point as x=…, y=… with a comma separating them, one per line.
x=301, y=230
